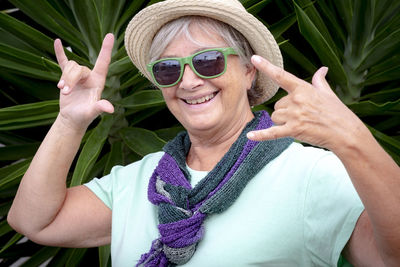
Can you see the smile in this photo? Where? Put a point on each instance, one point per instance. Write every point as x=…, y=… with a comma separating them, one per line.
x=200, y=100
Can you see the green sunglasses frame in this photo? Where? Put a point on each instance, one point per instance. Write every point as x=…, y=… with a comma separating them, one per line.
x=189, y=61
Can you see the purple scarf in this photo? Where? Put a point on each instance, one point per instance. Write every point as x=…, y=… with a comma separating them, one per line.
x=183, y=209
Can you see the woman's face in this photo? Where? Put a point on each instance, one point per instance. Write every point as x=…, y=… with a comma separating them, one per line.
x=208, y=104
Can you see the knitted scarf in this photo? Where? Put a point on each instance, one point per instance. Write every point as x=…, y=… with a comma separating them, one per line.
x=183, y=209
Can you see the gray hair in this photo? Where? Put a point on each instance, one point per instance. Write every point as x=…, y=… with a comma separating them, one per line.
x=181, y=25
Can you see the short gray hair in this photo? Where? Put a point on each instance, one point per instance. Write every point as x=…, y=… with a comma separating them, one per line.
x=181, y=25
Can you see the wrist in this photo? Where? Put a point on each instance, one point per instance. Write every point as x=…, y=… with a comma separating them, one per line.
x=66, y=127
x=355, y=142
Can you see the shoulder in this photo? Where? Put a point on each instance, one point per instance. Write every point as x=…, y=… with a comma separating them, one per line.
x=124, y=179
x=135, y=174
x=298, y=157
x=304, y=153
x=147, y=163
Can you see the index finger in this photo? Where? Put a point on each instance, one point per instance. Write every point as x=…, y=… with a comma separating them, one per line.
x=60, y=54
x=284, y=79
x=104, y=58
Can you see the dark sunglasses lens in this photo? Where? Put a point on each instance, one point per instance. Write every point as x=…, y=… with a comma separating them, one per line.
x=167, y=72
x=209, y=63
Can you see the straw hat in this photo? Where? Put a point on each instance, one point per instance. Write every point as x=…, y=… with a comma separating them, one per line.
x=144, y=26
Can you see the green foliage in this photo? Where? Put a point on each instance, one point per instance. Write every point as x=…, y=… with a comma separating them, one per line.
x=358, y=40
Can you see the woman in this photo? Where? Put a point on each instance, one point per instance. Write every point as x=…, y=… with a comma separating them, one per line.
x=216, y=196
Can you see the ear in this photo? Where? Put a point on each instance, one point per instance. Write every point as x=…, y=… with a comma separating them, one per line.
x=251, y=72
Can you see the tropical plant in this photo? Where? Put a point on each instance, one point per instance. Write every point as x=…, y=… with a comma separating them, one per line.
x=358, y=40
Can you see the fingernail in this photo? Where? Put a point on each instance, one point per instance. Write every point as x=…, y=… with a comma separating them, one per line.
x=325, y=70
x=250, y=135
x=61, y=84
x=65, y=90
x=256, y=59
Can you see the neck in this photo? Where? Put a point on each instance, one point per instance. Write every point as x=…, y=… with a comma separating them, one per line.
x=208, y=149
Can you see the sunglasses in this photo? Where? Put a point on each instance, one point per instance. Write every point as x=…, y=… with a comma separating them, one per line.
x=207, y=64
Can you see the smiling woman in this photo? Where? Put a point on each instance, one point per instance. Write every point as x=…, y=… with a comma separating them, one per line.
x=228, y=110
x=233, y=189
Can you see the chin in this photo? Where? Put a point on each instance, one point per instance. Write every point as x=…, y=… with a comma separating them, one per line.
x=199, y=126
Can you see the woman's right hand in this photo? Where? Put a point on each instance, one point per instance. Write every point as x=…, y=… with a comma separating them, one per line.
x=81, y=88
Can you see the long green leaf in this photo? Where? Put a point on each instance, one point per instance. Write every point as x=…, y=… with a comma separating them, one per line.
x=391, y=145
x=384, y=11
x=116, y=157
x=91, y=151
x=104, y=255
x=68, y=257
x=26, y=33
x=128, y=13
x=384, y=65
x=11, y=40
x=75, y=257
x=141, y=141
x=41, y=256
x=298, y=57
x=47, y=16
x=5, y=228
x=387, y=20
x=321, y=47
x=388, y=125
x=110, y=12
x=63, y=8
x=120, y=67
x=11, y=242
x=361, y=28
x=28, y=115
x=169, y=133
x=379, y=51
x=39, y=89
x=13, y=173
x=333, y=23
x=89, y=26
x=369, y=108
x=12, y=168
x=143, y=100
x=26, y=63
x=345, y=9
x=9, y=191
x=314, y=16
x=383, y=96
x=17, y=152
x=136, y=81
x=4, y=208
x=98, y=167
x=278, y=28
x=256, y=8
x=284, y=7
x=30, y=38
x=390, y=74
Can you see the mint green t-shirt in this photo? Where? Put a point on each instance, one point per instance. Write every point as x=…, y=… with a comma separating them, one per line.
x=299, y=210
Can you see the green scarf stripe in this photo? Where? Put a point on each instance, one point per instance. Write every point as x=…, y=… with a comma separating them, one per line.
x=260, y=156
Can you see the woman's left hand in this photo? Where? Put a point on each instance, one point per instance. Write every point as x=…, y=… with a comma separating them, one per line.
x=311, y=113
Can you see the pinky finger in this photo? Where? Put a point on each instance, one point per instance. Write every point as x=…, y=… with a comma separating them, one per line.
x=272, y=133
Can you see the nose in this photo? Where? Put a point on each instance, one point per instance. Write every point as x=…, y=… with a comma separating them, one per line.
x=189, y=79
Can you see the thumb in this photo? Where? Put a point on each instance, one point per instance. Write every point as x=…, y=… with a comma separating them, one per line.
x=318, y=80
x=104, y=106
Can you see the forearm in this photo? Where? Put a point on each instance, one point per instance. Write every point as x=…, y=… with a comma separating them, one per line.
x=42, y=190
x=376, y=178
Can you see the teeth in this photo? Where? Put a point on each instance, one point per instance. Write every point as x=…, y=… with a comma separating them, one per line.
x=200, y=100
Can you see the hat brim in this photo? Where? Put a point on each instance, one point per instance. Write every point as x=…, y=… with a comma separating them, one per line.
x=143, y=27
